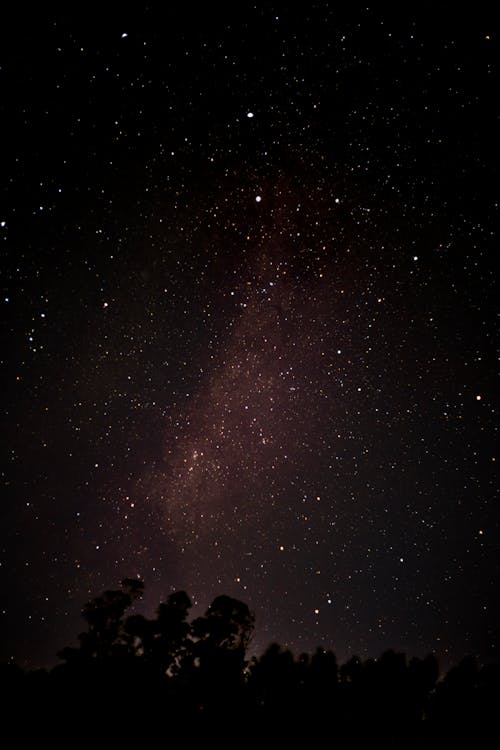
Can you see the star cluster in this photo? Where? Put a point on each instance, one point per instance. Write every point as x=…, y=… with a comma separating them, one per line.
x=248, y=334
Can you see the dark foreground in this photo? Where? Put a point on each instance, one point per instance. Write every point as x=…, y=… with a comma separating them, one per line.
x=174, y=682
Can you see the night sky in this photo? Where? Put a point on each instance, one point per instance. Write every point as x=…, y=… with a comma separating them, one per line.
x=248, y=332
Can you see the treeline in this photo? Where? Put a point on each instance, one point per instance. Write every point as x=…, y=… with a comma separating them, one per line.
x=132, y=675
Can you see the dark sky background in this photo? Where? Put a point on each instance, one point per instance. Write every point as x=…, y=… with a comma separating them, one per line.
x=248, y=331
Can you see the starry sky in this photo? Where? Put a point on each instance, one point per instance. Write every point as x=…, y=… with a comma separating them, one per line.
x=248, y=330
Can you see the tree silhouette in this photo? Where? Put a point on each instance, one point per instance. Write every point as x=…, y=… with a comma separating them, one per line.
x=220, y=639
x=163, y=642
x=195, y=676
x=228, y=624
x=104, y=616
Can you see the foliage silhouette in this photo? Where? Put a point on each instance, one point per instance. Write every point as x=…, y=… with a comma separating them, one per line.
x=195, y=676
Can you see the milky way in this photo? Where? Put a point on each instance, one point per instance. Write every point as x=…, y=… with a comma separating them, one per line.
x=250, y=423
